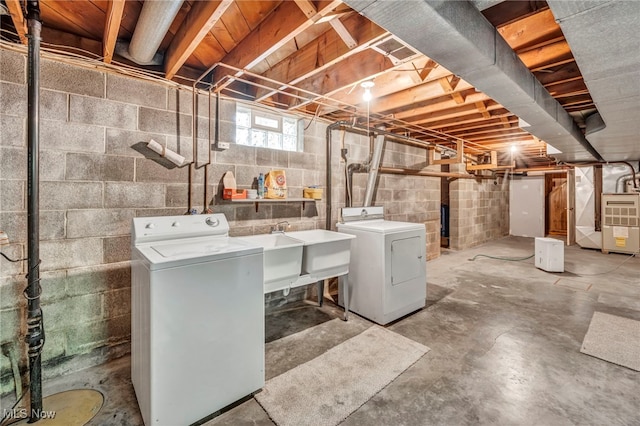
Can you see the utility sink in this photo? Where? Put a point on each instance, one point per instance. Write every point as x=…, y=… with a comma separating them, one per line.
x=326, y=254
x=282, y=259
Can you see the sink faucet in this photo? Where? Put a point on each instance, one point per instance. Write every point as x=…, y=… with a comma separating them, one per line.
x=279, y=227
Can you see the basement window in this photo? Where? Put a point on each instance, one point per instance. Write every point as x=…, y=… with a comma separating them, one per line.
x=256, y=127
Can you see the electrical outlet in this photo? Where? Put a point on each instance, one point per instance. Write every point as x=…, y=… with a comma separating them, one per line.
x=4, y=238
x=223, y=145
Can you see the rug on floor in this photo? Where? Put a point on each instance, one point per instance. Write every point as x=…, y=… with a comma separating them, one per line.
x=614, y=339
x=327, y=389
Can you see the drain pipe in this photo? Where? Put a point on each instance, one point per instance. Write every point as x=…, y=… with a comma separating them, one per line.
x=373, y=170
x=35, y=329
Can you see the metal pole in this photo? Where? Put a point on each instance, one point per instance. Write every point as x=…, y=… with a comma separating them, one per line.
x=35, y=330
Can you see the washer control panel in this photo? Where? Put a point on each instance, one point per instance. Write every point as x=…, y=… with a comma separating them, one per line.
x=148, y=229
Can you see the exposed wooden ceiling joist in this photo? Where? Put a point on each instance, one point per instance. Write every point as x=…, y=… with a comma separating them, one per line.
x=115, y=8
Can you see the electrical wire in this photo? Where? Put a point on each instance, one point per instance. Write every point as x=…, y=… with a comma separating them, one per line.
x=605, y=272
x=12, y=260
x=510, y=259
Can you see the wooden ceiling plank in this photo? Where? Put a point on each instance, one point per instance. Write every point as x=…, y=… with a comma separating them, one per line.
x=282, y=25
x=356, y=67
x=546, y=55
x=19, y=22
x=71, y=42
x=73, y=16
x=201, y=18
x=113, y=18
x=530, y=30
x=322, y=53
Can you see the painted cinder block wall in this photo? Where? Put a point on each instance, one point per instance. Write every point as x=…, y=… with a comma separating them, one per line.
x=96, y=175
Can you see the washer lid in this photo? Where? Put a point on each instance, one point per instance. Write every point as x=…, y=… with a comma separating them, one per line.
x=169, y=254
x=381, y=226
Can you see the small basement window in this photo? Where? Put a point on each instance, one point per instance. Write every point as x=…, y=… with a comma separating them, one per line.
x=256, y=127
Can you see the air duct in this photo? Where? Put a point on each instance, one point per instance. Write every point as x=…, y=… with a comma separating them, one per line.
x=154, y=22
x=477, y=53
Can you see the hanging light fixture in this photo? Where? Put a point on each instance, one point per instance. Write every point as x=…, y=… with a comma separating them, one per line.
x=367, y=85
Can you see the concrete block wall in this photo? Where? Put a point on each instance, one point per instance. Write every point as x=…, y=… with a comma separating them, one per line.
x=96, y=175
x=479, y=210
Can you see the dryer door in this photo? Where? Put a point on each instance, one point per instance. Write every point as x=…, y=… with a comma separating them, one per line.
x=406, y=259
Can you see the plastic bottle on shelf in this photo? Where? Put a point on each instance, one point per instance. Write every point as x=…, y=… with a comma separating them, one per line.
x=261, y=185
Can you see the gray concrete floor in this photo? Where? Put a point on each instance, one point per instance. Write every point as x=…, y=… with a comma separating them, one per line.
x=505, y=342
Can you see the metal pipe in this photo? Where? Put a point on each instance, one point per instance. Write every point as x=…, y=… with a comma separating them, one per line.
x=35, y=329
x=373, y=170
x=330, y=128
x=622, y=181
x=413, y=172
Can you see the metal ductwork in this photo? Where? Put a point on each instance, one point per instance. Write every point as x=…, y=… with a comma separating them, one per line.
x=456, y=35
x=373, y=170
x=605, y=42
x=154, y=22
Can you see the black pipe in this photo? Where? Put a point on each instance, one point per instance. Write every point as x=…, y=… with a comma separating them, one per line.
x=35, y=329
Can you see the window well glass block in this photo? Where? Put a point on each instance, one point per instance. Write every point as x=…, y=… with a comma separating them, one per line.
x=258, y=137
x=289, y=126
x=290, y=143
x=243, y=117
x=274, y=140
x=242, y=136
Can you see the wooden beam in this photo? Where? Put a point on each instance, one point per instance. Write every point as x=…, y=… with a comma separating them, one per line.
x=111, y=28
x=307, y=7
x=492, y=165
x=344, y=33
x=201, y=18
x=280, y=27
x=458, y=159
x=483, y=109
x=449, y=84
x=426, y=69
x=15, y=10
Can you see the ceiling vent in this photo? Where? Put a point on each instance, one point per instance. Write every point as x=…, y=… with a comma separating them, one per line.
x=395, y=50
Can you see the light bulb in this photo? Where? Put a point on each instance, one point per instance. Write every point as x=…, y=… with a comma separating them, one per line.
x=367, y=85
x=514, y=148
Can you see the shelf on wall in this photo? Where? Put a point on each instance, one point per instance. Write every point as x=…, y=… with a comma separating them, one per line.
x=272, y=200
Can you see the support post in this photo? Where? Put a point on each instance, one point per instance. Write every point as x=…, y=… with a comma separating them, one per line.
x=35, y=329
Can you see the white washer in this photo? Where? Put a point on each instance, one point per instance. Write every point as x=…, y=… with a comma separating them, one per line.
x=197, y=317
x=388, y=271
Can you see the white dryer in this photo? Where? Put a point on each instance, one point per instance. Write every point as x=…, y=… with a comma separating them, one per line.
x=197, y=317
x=387, y=273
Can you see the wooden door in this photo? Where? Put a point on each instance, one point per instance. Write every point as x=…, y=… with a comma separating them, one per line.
x=556, y=189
